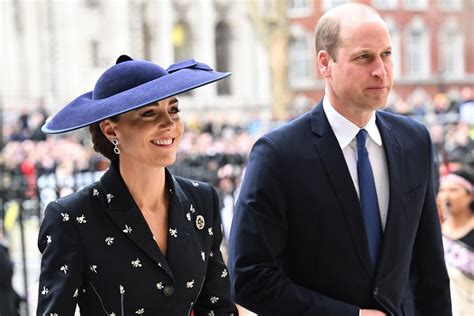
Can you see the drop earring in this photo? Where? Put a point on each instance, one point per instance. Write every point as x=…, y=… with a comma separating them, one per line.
x=115, y=142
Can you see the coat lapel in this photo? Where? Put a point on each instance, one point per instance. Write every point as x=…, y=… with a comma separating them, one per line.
x=123, y=211
x=394, y=156
x=327, y=146
x=184, y=251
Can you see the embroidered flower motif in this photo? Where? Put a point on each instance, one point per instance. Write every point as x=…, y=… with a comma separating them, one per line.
x=64, y=268
x=190, y=284
x=159, y=264
x=45, y=290
x=210, y=231
x=203, y=255
x=65, y=217
x=122, y=289
x=136, y=263
x=194, y=183
x=192, y=209
x=159, y=286
x=214, y=299
x=140, y=311
x=127, y=229
x=109, y=197
x=188, y=216
x=211, y=254
x=95, y=192
x=48, y=239
x=93, y=268
x=76, y=293
x=224, y=273
x=81, y=219
x=211, y=313
x=173, y=232
x=109, y=241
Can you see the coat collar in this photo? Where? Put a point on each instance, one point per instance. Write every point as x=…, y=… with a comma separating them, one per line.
x=126, y=215
x=331, y=155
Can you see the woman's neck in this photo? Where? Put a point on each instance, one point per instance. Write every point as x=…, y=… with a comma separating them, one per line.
x=147, y=185
x=458, y=225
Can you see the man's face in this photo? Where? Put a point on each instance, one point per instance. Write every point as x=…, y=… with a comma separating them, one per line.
x=361, y=77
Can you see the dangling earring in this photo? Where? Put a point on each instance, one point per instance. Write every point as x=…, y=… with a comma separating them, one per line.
x=115, y=141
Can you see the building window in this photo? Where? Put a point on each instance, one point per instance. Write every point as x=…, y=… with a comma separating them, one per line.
x=182, y=41
x=417, y=50
x=92, y=3
x=416, y=4
x=94, y=50
x=395, y=36
x=300, y=57
x=222, y=46
x=329, y=4
x=451, y=47
x=299, y=7
x=450, y=5
x=385, y=4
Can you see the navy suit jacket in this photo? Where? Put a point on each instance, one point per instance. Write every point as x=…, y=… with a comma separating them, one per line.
x=298, y=244
x=99, y=253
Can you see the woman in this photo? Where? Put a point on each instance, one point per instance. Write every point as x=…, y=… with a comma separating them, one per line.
x=139, y=241
x=456, y=196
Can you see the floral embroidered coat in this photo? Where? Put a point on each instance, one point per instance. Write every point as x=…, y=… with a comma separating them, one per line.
x=99, y=253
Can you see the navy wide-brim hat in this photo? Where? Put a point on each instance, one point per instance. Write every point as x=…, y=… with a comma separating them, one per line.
x=128, y=85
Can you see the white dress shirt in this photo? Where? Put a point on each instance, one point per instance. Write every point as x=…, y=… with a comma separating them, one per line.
x=346, y=132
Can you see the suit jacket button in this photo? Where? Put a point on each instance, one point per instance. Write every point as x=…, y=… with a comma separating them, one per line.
x=168, y=290
x=376, y=291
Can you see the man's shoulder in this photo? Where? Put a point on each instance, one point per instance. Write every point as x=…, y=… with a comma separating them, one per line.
x=400, y=123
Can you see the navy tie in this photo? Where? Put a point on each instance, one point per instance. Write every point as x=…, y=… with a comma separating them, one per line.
x=368, y=197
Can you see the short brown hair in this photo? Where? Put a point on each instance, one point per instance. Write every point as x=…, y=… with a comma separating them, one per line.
x=326, y=35
x=102, y=144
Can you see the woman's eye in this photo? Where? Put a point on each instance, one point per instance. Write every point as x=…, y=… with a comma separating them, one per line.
x=148, y=113
x=175, y=110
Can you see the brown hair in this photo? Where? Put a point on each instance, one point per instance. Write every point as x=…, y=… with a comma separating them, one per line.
x=326, y=35
x=102, y=144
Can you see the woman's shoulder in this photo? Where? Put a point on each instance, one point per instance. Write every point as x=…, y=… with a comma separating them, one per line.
x=79, y=200
x=468, y=239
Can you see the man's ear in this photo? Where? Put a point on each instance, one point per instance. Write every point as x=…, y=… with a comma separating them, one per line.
x=108, y=129
x=324, y=63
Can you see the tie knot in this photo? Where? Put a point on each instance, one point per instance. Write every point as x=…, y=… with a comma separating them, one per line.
x=361, y=138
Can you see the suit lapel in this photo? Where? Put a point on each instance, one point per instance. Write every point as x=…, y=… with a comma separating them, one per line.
x=394, y=156
x=123, y=211
x=327, y=146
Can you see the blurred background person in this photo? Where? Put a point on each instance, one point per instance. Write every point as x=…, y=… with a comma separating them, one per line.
x=456, y=198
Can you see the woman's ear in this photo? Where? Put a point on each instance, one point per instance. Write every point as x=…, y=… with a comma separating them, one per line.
x=108, y=129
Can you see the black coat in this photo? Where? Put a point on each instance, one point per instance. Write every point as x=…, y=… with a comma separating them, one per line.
x=7, y=294
x=99, y=253
x=298, y=244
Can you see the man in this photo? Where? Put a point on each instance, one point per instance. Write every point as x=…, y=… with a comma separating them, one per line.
x=321, y=228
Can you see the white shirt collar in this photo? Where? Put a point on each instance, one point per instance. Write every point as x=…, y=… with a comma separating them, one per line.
x=345, y=130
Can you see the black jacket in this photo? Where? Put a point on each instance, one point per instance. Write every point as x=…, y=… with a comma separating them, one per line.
x=99, y=253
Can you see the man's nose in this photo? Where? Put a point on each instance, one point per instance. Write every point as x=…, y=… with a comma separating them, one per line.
x=379, y=70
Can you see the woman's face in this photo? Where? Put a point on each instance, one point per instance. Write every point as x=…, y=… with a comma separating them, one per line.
x=149, y=135
x=454, y=197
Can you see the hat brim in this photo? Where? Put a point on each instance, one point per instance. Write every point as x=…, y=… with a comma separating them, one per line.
x=86, y=111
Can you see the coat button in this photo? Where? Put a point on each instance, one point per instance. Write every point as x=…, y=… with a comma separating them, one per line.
x=168, y=290
x=376, y=291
